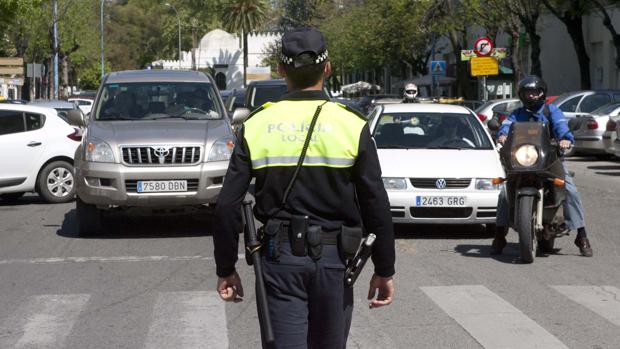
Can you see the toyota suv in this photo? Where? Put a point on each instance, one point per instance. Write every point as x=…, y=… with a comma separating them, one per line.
x=157, y=142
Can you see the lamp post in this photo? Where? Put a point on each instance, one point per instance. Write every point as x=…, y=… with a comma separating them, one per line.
x=179, y=20
x=102, y=57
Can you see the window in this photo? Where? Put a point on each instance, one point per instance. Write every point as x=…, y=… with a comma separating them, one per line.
x=594, y=101
x=11, y=122
x=500, y=107
x=264, y=94
x=570, y=105
x=220, y=81
x=616, y=97
x=83, y=102
x=34, y=121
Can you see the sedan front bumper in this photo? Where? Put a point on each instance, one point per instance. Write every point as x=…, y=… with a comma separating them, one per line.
x=480, y=207
x=110, y=184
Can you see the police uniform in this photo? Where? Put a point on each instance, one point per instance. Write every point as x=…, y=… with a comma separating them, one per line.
x=308, y=302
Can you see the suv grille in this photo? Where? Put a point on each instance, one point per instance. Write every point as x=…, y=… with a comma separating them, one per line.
x=431, y=183
x=131, y=185
x=160, y=155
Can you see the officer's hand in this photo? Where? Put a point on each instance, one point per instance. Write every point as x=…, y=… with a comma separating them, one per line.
x=502, y=139
x=230, y=288
x=385, y=288
x=565, y=144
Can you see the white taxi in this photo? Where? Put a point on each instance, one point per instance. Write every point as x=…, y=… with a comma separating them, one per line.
x=438, y=164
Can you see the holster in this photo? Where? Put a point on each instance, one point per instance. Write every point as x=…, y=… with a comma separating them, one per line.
x=349, y=242
x=315, y=243
x=298, y=230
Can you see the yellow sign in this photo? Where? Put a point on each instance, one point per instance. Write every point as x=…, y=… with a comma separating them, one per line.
x=484, y=66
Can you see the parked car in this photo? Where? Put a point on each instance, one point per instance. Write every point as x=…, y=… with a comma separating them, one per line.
x=62, y=107
x=37, y=156
x=583, y=102
x=157, y=142
x=426, y=153
x=84, y=103
x=609, y=136
x=589, y=136
x=262, y=91
x=497, y=107
x=235, y=99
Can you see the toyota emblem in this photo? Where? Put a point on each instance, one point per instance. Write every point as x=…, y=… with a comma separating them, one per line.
x=440, y=183
x=161, y=153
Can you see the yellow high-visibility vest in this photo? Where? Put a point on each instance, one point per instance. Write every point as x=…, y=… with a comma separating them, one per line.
x=276, y=133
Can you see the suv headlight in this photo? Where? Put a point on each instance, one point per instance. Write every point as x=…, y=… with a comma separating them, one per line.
x=395, y=183
x=221, y=150
x=526, y=155
x=97, y=150
x=487, y=184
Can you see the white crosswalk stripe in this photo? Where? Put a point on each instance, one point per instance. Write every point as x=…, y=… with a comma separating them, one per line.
x=603, y=300
x=189, y=320
x=492, y=321
x=42, y=322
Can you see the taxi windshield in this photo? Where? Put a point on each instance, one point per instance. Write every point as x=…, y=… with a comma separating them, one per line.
x=158, y=100
x=430, y=131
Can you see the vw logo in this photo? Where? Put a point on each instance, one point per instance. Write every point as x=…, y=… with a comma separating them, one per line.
x=440, y=183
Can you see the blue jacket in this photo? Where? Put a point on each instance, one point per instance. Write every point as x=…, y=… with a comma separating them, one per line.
x=559, y=125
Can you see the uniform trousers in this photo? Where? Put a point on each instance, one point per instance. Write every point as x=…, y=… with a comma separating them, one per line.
x=308, y=303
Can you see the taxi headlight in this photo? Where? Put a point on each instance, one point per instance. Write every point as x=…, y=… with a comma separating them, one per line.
x=221, y=150
x=526, y=155
x=96, y=150
x=395, y=183
x=487, y=184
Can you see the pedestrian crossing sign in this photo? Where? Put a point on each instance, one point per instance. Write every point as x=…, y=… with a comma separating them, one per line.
x=438, y=68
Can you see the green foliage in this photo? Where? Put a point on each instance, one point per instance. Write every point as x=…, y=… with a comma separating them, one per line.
x=244, y=15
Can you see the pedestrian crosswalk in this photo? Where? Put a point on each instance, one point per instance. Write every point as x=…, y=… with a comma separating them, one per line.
x=198, y=319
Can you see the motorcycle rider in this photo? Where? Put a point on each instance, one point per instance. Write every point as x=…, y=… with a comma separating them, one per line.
x=533, y=93
x=411, y=93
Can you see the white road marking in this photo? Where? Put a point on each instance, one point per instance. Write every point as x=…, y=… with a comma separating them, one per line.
x=189, y=320
x=489, y=319
x=60, y=260
x=603, y=300
x=43, y=322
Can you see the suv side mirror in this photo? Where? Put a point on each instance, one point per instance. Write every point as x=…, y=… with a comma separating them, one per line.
x=239, y=115
x=76, y=118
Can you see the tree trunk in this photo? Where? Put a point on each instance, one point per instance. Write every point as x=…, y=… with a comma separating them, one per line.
x=612, y=30
x=245, y=59
x=530, y=28
x=194, y=45
x=575, y=30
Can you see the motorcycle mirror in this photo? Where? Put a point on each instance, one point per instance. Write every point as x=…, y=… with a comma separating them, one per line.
x=493, y=124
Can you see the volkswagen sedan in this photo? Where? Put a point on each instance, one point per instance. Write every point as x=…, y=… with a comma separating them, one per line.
x=438, y=164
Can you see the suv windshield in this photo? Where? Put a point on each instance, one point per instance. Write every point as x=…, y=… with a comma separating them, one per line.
x=430, y=131
x=158, y=100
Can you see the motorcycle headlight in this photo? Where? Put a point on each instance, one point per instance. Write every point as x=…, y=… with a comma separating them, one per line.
x=395, y=183
x=526, y=155
x=96, y=150
x=221, y=150
x=487, y=184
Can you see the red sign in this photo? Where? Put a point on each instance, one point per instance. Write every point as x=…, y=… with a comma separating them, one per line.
x=483, y=47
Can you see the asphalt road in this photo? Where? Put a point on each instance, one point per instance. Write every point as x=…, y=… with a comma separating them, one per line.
x=149, y=283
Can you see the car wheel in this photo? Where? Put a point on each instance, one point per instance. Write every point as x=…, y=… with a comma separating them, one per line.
x=11, y=197
x=88, y=218
x=56, y=183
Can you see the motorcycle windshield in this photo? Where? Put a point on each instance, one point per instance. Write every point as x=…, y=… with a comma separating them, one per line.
x=523, y=134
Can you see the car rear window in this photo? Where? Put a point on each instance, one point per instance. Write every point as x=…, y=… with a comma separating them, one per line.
x=430, y=131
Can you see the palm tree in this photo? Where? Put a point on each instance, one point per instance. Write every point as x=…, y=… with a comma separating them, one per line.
x=244, y=16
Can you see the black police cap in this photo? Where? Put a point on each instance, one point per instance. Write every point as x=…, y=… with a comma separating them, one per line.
x=301, y=47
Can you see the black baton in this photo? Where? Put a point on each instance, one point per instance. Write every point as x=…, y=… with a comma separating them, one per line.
x=355, y=266
x=253, y=257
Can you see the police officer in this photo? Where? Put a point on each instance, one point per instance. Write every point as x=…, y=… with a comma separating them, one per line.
x=532, y=93
x=308, y=302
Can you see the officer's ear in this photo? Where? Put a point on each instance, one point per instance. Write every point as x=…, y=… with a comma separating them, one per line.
x=327, y=71
x=281, y=70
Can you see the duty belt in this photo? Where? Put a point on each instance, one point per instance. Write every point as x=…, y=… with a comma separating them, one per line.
x=329, y=237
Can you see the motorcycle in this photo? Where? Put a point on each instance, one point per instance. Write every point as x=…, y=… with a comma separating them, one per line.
x=535, y=187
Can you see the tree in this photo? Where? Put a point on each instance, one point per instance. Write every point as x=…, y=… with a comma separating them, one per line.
x=612, y=30
x=244, y=16
x=571, y=12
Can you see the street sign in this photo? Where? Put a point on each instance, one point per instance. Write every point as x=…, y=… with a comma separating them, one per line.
x=438, y=68
x=483, y=47
x=482, y=66
x=497, y=53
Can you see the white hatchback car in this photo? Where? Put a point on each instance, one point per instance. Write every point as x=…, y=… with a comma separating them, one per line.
x=38, y=149
x=438, y=164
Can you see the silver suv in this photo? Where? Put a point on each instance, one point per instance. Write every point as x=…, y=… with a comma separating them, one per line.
x=156, y=142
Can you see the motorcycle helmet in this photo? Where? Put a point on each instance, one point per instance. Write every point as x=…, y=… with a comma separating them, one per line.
x=532, y=92
x=411, y=91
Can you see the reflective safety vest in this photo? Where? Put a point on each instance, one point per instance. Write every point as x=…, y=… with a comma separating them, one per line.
x=275, y=134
